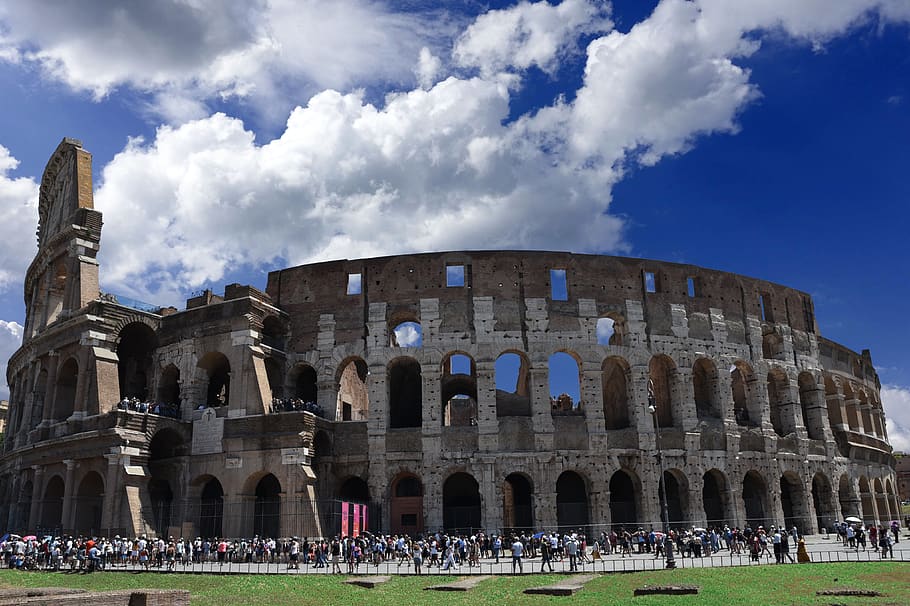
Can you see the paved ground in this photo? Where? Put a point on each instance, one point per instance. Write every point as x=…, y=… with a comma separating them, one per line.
x=820, y=549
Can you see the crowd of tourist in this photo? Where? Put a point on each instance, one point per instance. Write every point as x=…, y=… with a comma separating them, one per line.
x=134, y=404
x=296, y=404
x=447, y=552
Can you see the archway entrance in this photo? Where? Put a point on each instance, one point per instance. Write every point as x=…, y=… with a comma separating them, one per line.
x=162, y=498
x=571, y=501
x=461, y=503
x=517, y=504
x=52, y=507
x=211, y=509
x=755, y=499
x=267, y=509
x=793, y=502
x=407, y=506
x=623, y=510
x=677, y=497
x=823, y=499
x=89, y=498
x=714, y=497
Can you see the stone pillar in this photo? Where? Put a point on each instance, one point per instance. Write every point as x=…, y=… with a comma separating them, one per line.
x=541, y=415
x=735, y=507
x=852, y=404
x=491, y=506
x=592, y=394
x=432, y=502
x=838, y=402
x=50, y=393
x=639, y=417
x=487, y=421
x=110, y=506
x=682, y=400
x=697, y=515
x=34, y=512
x=817, y=412
x=83, y=380
x=650, y=513
x=238, y=515
x=66, y=521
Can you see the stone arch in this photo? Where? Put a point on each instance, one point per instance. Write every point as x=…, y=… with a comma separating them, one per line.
x=676, y=485
x=823, y=500
x=850, y=404
x=662, y=375
x=865, y=418
x=353, y=400
x=161, y=497
x=572, y=504
x=810, y=406
x=746, y=406
x=832, y=399
x=704, y=383
x=846, y=497
x=625, y=498
x=517, y=503
x=715, y=498
x=755, y=499
x=461, y=503
x=217, y=377
x=881, y=500
x=136, y=345
x=169, y=385
x=405, y=331
x=778, y=392
x=458, y=385
x=794, y=503
x=87, y=504
x=866, y=499
x=65, y=393
x=611, y=330
x=52, y=505
x=353, y=489
x=615, y=378
x=304, y=382
x=267, y=507
x=38, y=401
x=406, y=504
x=565, y=378
x=405, y=393
x=894, y=509
x=513, y=384
x=211, y=506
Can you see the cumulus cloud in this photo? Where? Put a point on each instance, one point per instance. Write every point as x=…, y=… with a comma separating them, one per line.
x=529, y=34
x=408, y=334
x=896, y=402
x=187, y=52
x=10, y=340
x=19, y=202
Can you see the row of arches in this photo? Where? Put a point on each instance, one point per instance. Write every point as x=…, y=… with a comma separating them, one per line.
x=84, y=509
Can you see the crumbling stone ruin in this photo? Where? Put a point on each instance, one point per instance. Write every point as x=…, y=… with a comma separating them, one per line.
x=419, y=388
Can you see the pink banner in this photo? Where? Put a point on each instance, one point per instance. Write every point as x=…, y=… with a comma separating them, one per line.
x=366, y=526
x=356, y=531
x=344, y=517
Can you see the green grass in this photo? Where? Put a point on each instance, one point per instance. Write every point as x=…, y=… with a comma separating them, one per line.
x=760, y=585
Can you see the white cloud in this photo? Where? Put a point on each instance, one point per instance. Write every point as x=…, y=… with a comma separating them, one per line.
x=185, y=52
x=408, y=334
x=529, y=34
x=19, y=204
x=10, y=340
x=896, y=402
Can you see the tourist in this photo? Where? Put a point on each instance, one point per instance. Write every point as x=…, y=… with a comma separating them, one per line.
x=417, y=553
x=571, y=545
x=517, y=552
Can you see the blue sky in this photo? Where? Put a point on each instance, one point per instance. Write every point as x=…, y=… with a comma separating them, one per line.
x=769, y=140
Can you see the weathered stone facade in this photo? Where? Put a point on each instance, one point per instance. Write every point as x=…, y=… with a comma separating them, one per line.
x=760, y=419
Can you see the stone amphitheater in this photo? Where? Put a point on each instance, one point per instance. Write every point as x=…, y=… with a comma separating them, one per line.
x=455, y=390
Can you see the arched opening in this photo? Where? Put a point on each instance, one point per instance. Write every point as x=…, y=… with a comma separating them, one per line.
x=407, y=505
x=218, y=379
x=755, y=499
x=810, y=406
x=565, y=382
x=714, y=498
x=772, y=344
x=267, y=508
x=623, y=507
x=134, y=351
x=304, y=381
x=38, y=402
x=823, y=499
x=274, y=333
x=353, y=401
x=517, y=504
x=571, y=501
x=461, y=507
x=355, y=490
x=166, y=449
x=52, y=506
x=513, y=387
x=211, y=509
x=793, y=502
x=662, y=372
x=864, y=413
x=169, y=387
x=846, y=497
x=745, y=409
x=894, y=509
x=881, y=501
x=65, y=395
x=832, y=399
x=867, y=500
x=405, y=394
x=704, y=382
x=322, y=447
x=615, y=381
x=778, y=387
x=274, y=374
x=610, y=330
x=407, y=334
x=459, y=391
x=850, y=405
x=677, y=497
x=162, y=499
x=89, y=499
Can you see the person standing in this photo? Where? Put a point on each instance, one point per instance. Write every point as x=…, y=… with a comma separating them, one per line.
x=417, y=551
x=572, y=551
x=517, y=552
x=546, y=553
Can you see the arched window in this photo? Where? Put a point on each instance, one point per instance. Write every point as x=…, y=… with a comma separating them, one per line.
x=218, y=374
x=169, y=386
x=267, y=507
x=610, y=330
x=571, y=502
x=565, y=382
x=461, y=511
x=517, y=504
x=513, y=388
x=304, y=380
x=273, y=333
x=809, y=406
x=624, y=499
x=407, y=334
x=742, y=381
x=65, y=398
x=353, y=401
x=662, y=373
x=88, y=501
x=755, y=499
x=778, y=388
x=137, y=344
x=211, y=508
x=704, y=382
x=615, y=378
x=459, y=391
x=405, y=393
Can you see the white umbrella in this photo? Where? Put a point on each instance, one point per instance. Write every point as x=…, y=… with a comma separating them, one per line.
x=852, y=520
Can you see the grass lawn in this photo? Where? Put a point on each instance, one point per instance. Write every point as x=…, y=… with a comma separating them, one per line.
x=761, y=585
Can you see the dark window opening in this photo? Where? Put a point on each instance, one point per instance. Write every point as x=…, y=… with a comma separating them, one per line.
x=405, y=394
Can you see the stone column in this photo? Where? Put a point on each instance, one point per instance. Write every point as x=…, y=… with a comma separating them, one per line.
x=80, y=406
x=50, y=393
x=487, y=421
x=817, y=412
x=592, y=394
x=682, y=400
x=491, y=507
x=110, y=504
x=541, y=415
x=639, y=417
x=66, y=521
x=839, y=404
x=697, y=515
x=34, y=512
x=735, y=507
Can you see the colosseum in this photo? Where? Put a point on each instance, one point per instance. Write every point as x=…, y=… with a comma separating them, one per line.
x=450, y=390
